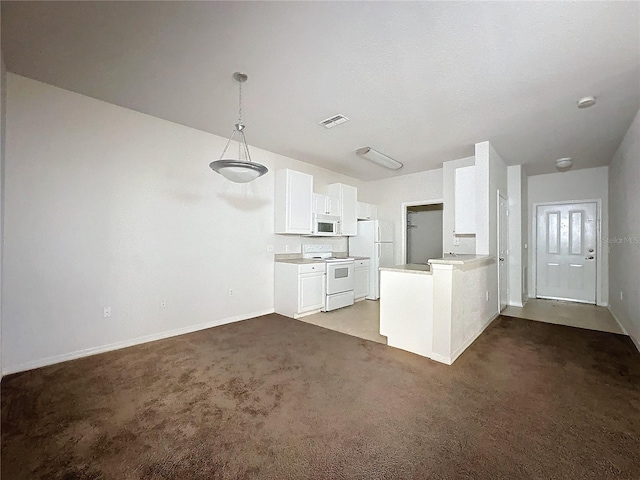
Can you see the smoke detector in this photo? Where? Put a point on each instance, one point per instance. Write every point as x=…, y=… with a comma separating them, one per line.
x=586, y=102
x=334, y=121
x=563, y=163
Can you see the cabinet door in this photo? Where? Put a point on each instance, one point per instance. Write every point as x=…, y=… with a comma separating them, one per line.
x=319, y=204
x=293, y=202
x=465, y=201
x=348, y=196
x=361, y=282
x=349, y=202
x=333, y=206
x=310, y=292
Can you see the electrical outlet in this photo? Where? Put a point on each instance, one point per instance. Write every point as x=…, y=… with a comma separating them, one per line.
x=107, y=312
x=163, y=303
x=231, y=292
x=456, y=241
x=269, y=248
x=287, y=248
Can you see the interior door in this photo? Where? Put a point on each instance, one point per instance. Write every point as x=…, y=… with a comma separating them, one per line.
x=566, y=252
x=503, y=259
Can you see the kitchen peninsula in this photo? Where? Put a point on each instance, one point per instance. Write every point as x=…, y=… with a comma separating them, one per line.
x=438, y=310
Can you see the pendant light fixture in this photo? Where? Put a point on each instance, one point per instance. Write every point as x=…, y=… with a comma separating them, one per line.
x=239, y=171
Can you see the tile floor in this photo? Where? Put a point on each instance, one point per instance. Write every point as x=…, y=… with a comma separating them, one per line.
x=359, y=320
x=363, y=319
x=579, y=315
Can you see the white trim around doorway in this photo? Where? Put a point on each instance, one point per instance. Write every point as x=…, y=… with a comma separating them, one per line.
x=534, y=245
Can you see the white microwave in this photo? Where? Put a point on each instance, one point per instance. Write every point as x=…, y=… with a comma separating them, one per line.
x=326, y=226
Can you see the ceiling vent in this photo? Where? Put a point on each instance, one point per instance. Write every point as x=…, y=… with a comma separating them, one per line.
x=333, y=121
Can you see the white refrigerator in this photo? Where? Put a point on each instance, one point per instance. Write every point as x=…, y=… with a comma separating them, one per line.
x=374, y=240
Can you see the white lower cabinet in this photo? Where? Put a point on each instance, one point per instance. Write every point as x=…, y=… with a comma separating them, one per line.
x=310, y=292
x=299, y=288
x=361, y=279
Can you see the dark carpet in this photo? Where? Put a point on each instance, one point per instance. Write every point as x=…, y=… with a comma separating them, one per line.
x=275, y=398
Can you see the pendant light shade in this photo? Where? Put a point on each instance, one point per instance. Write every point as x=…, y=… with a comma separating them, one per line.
x=238, y=171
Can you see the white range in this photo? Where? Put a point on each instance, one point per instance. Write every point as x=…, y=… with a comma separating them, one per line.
x=339, y=276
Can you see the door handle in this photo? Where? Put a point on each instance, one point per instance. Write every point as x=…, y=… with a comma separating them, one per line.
x=501, y=259
x=590, y=257
x=591, y=250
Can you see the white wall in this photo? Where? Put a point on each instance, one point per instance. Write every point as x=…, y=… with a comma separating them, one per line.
x=109, y=207
x=467, y=242
x=516, y=183
x=624, y=232
x=461, y=310
x=576, y=185
x=390, y=194
x=491, y=179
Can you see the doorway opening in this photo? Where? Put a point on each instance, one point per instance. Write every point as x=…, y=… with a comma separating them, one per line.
x=423, y=232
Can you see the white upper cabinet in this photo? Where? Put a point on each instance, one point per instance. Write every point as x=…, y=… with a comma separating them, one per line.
x=348, y=196
x=465, y=201
x=366, y=211
x=326, y=205
x=293, y=202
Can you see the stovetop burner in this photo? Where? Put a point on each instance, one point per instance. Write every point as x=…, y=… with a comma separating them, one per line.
x=322, y=252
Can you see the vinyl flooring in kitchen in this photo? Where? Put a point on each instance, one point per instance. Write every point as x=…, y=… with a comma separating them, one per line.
x=361, y=320
x=570, y=314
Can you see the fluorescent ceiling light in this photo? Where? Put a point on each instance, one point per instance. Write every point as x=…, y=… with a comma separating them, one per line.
x=379, y=158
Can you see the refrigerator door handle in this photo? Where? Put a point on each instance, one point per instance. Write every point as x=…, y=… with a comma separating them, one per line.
x=378, y=239
x=378, y=249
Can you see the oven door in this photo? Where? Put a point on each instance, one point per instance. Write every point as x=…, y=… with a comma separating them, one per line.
x=339, y=277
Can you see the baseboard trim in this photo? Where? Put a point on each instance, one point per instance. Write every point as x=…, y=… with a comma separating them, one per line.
x=635, y=340
x=454, y=356
x=440, y=358
x=473, y=337
x=617, y=320
x=43, y=362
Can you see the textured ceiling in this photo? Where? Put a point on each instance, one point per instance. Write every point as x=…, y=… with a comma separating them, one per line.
x=421, y=82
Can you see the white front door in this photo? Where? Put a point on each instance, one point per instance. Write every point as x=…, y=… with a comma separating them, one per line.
x=566, y=252
x=503, y=258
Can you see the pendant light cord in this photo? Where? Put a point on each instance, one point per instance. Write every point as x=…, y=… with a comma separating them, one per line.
x=240, y=129
x=240, y=103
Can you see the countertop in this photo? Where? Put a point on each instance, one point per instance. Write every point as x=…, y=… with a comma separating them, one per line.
x=295, y=258
x=461, y=259
x=420, y=269
x=299, y=261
